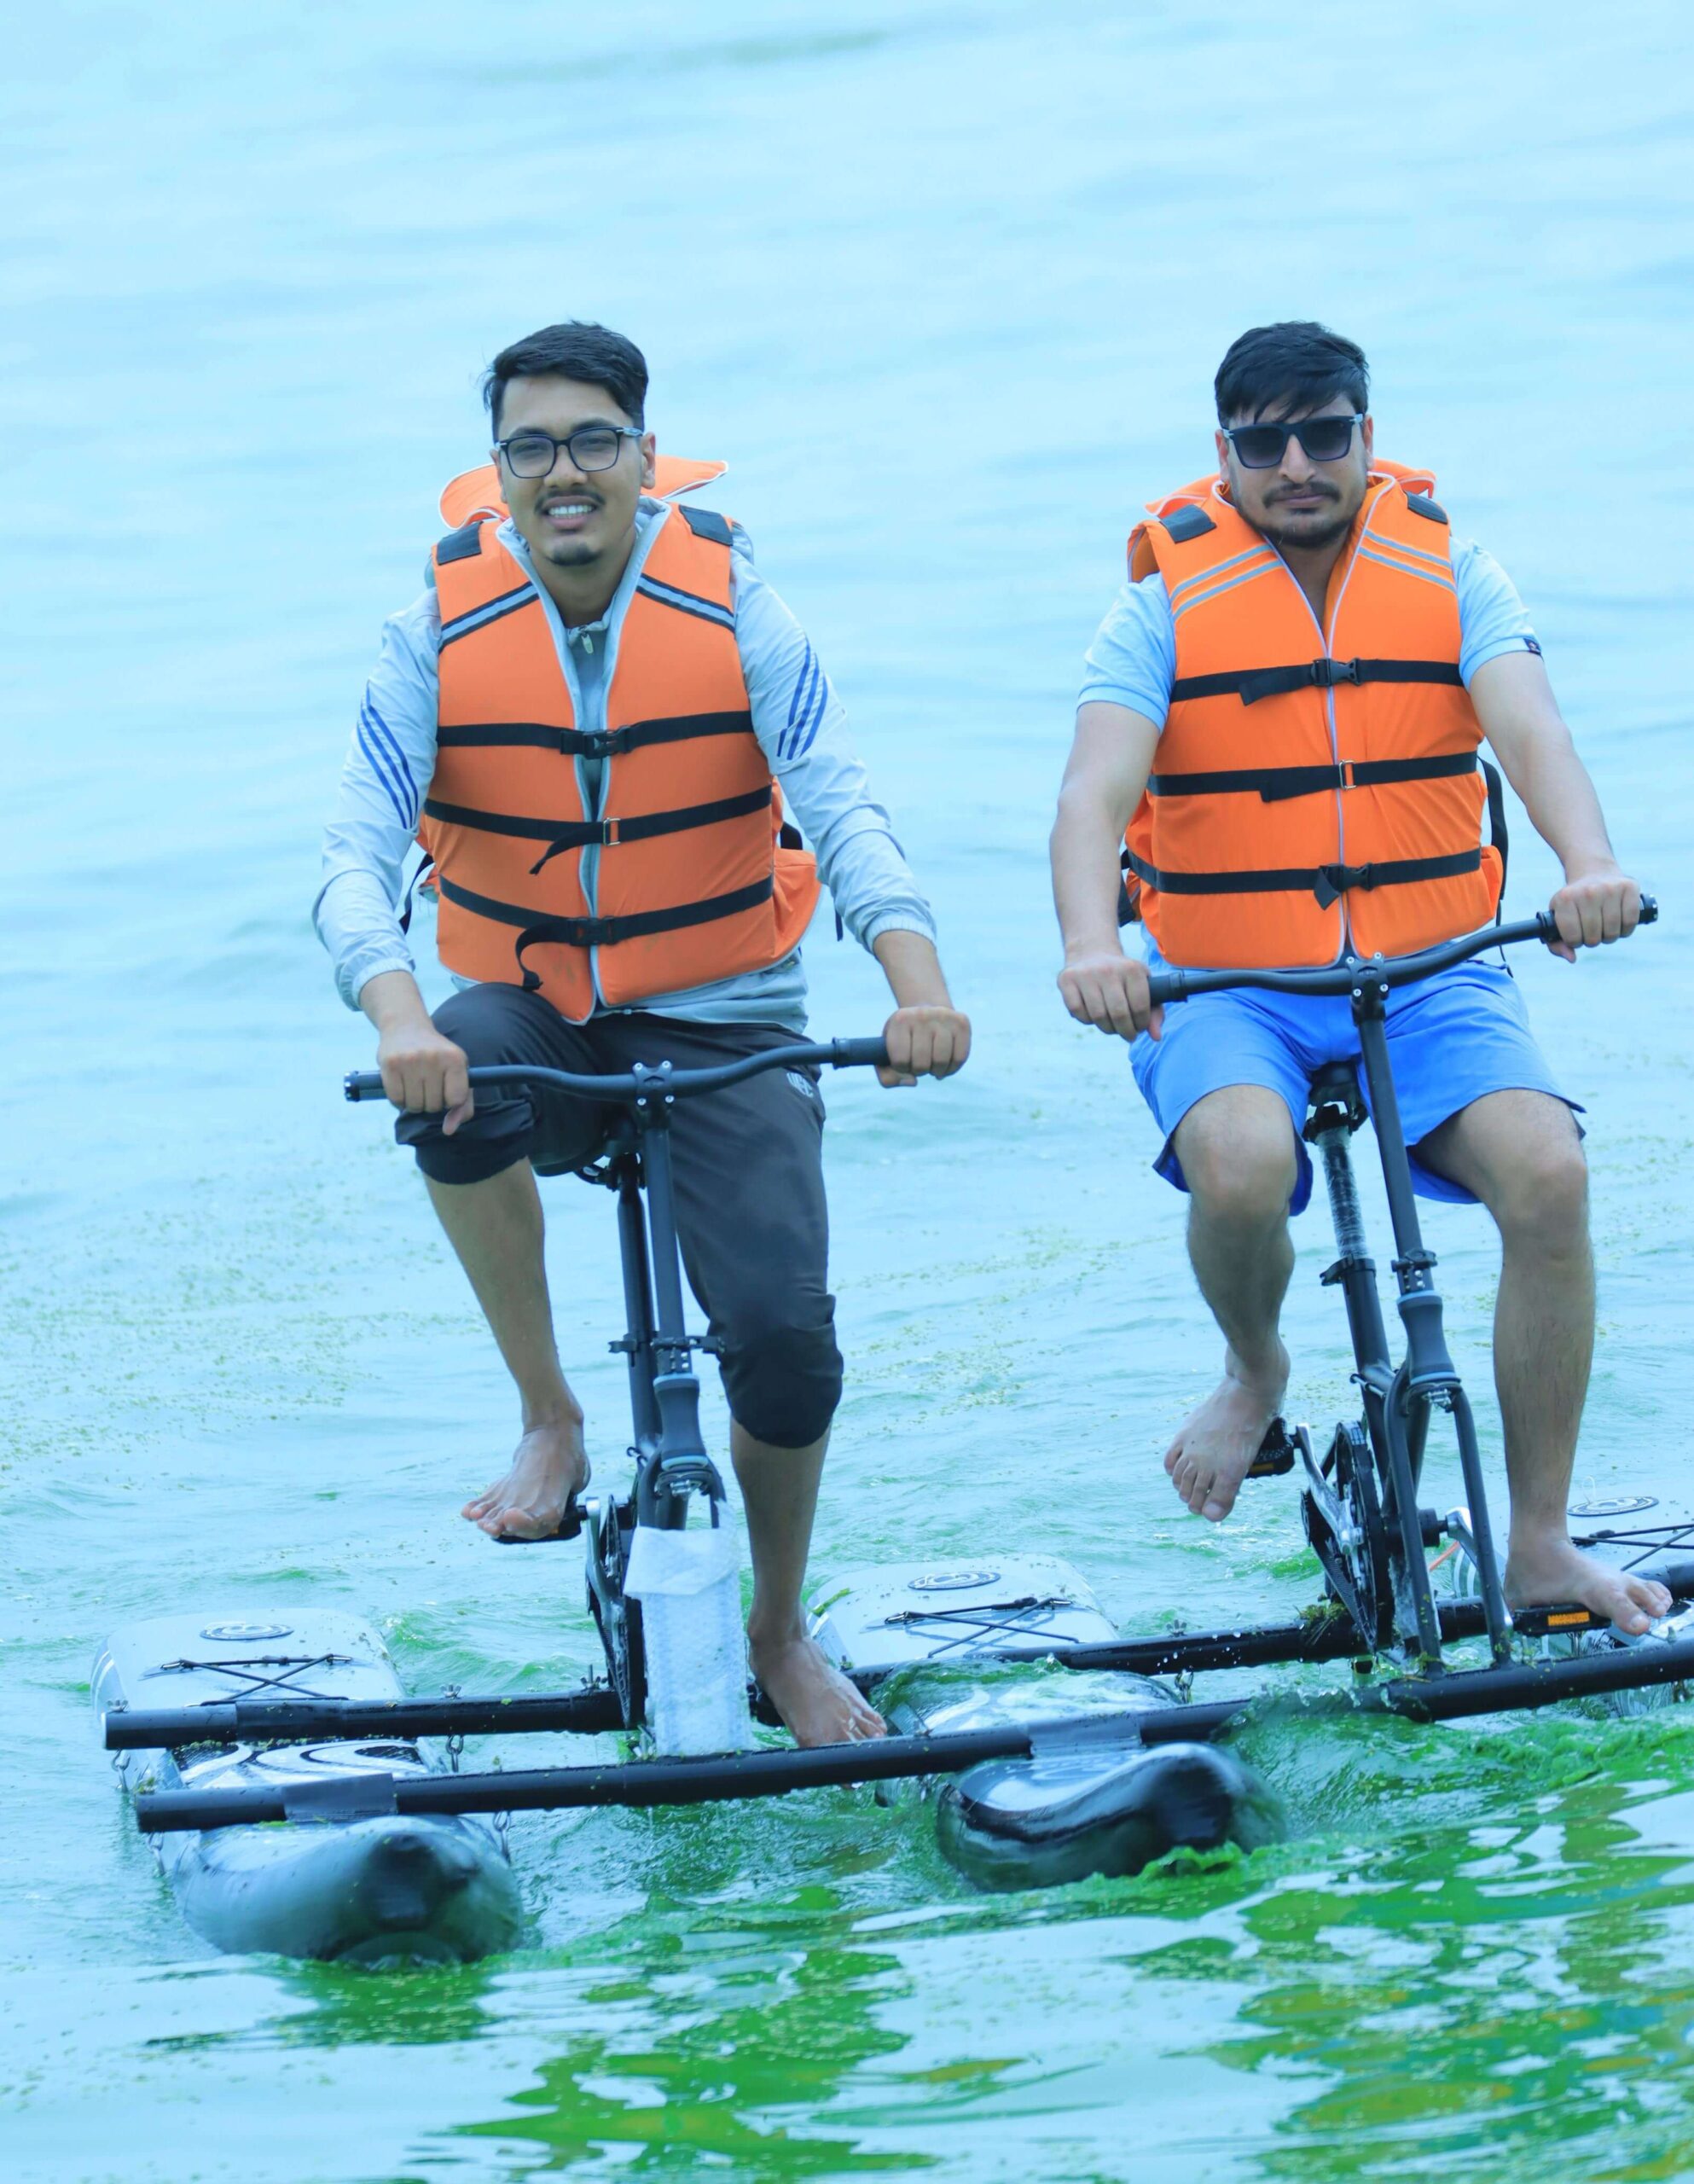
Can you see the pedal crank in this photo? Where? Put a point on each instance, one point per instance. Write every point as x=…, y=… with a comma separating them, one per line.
x=1342, y=1516
x=609, y=1529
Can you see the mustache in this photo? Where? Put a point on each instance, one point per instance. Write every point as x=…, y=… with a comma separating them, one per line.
x=1316, y=490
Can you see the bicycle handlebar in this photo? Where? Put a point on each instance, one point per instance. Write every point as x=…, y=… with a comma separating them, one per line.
x=1169, y=986
x=660, y=1081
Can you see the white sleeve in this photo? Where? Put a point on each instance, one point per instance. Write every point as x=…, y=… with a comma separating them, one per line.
x=390, y=762
x=801, y=727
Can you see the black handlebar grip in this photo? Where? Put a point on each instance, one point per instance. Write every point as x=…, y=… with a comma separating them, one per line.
x=1549, y=924
x=364, y=1084
x=1167, y=986
x=847, y=1054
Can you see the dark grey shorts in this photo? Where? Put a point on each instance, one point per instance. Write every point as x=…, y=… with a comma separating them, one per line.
x=750, y=1212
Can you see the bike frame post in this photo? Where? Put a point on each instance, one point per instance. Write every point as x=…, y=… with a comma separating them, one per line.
x=1355, y=1271
x=632, y=1252
x=1427, y=1374
x=680, y=1465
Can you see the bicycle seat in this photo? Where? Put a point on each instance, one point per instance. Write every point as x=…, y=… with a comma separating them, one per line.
x=1334, y=1086
x=595, y=1165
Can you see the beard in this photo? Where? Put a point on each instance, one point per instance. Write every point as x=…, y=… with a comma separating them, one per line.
x=1312, y=534
x=570, y=553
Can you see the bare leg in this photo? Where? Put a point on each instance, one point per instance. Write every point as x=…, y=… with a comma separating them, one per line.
x=1237, y=1150
x=1520, y=1153
x=779, y=1487
x=495, y=1228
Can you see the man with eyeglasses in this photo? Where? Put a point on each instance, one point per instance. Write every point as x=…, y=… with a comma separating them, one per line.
x=1281, y=716
x=598, y=717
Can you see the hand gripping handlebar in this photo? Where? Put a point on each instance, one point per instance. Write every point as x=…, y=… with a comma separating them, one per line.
x=1168, y=986
x=660, y=1081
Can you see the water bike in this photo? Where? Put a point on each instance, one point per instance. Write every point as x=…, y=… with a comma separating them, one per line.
x=1062, y=1750
x=318, y=1736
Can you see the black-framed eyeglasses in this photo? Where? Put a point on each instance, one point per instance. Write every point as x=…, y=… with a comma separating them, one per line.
x=532, y=454
x=1261, y=447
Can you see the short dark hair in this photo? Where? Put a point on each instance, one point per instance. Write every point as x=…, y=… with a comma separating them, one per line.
x=1296, y=365
x=572, y=350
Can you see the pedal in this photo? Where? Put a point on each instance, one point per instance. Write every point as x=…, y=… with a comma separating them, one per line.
x=1276, y=1452
x=1557, y=1620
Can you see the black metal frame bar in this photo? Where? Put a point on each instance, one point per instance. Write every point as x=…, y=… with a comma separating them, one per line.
x=771, y=1772
x=594, y=1709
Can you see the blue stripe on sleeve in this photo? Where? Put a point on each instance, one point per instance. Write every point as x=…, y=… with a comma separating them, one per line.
x=807, y=665
x=391, y=743
x=805, y=707
x=382, y=766
x=805, y=732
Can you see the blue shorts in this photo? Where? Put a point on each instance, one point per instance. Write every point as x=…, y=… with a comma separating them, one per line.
x=1453, y=1038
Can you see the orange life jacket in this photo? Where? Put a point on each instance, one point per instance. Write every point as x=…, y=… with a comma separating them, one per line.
x=693, y=877
x=1301, y=805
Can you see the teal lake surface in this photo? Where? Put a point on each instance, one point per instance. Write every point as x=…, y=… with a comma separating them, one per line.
x=946, y=285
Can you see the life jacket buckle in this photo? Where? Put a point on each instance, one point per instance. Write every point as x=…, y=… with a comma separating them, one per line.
x=609, y=835
x=1333, y=881
x=1328, y=672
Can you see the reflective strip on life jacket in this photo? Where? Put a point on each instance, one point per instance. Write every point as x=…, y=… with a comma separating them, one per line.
x=1300, y=806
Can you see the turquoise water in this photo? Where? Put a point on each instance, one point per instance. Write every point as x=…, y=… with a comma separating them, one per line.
x=946, y=285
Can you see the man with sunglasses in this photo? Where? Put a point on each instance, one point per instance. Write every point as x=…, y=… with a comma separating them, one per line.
x=598, y=717
x=1282, y=716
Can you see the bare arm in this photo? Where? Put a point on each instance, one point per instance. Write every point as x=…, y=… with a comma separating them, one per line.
x=422, y=1071
x=1520, y=717
x=926, y=1035
x=1110, y=761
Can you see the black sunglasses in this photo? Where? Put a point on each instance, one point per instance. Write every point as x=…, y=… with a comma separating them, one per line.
x=1261, y=447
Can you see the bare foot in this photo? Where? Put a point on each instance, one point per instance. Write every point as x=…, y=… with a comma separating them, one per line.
x=1215, y=1445
x=1552, y=1570
x=816, y=1702
x=549, y=1465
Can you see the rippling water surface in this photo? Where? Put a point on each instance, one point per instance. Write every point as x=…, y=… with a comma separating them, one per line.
x=946, y=284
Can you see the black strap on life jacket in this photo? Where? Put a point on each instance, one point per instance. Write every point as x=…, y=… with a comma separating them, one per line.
x=707, y=523
x=461, y=545
x=590, y=743
x=1251, y=683
x=604, y=932
x=1327, y=882
x=1279, y=784
x=1498, y=838
x=1186, y=523
x=562, y=835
